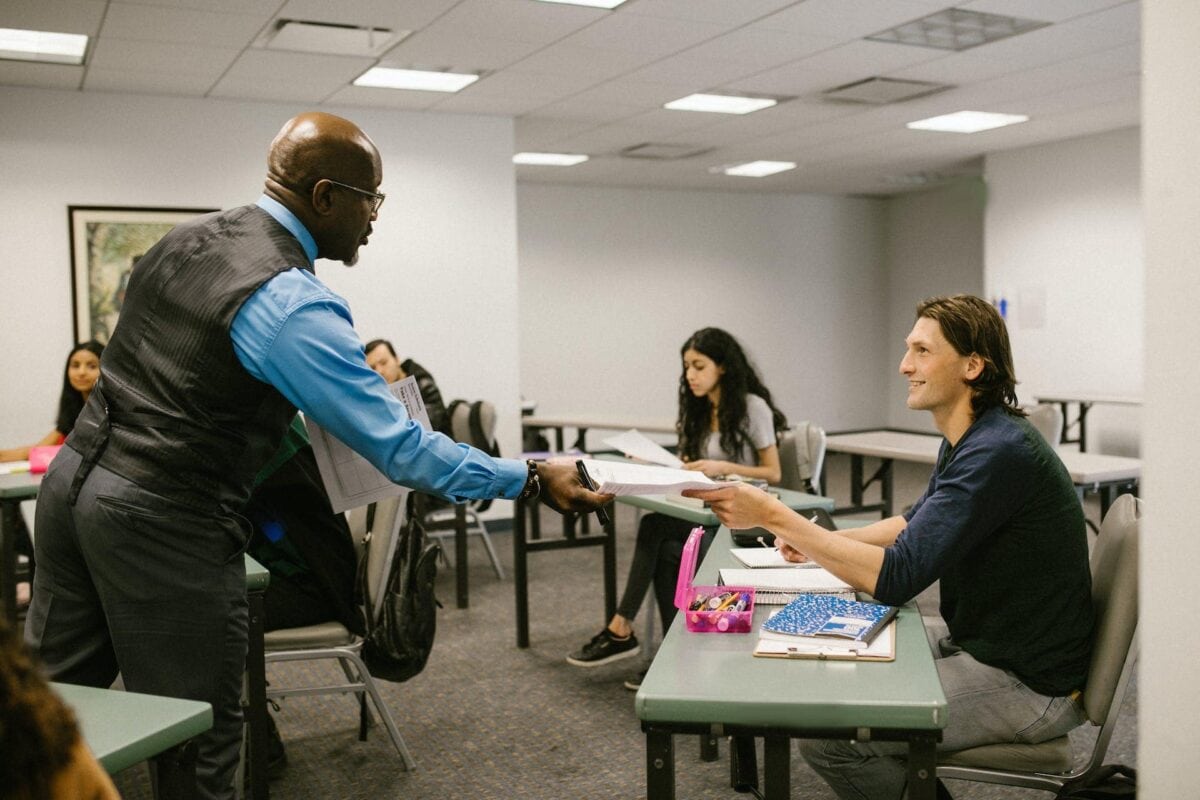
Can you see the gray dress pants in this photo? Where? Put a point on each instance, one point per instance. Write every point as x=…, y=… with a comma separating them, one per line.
x=130, y=582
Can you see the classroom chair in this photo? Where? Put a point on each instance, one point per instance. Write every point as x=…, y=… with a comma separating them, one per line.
x=473, y=424
x=1048, y=419
x=1048, y=766
x=802, y=457
x=332, y=640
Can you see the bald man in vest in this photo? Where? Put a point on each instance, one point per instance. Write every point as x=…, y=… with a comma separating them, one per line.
x=225, y=331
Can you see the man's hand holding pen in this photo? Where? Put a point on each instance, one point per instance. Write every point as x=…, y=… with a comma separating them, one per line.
x=563, y=490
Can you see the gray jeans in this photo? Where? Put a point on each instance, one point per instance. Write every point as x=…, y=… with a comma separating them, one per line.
x=984, y=705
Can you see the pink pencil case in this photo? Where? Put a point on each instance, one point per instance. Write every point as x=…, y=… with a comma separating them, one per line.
x=711, y=609
x=40, y=457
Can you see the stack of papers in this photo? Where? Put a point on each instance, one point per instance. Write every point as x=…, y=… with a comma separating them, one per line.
x=635, y=444
x=777, y=586
x=766, y=558
x=628, y=478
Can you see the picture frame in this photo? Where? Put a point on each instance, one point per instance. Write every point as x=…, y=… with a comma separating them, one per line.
x=106, y=241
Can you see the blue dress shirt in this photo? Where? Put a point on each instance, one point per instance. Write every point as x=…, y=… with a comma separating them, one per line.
x=297, y=335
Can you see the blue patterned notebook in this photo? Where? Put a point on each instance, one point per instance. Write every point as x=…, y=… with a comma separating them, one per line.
x=828, y=621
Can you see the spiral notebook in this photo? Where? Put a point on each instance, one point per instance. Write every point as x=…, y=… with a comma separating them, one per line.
x=779, y=586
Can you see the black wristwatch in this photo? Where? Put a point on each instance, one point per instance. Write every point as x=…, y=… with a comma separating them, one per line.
x=533, y=484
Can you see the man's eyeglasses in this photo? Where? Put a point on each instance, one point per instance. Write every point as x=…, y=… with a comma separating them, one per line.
x=377, y=198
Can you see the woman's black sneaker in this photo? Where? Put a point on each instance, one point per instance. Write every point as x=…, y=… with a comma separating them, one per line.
x=603, y=649
x=635, y=683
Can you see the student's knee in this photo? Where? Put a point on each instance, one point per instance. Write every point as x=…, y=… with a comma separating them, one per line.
x=830, y=754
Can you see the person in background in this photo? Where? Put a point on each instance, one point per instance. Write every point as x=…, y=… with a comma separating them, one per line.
x=79, y=376
x=381, y=357
x=226, y=331
x=1002, y=528
x=44, y=757
x=727, y=424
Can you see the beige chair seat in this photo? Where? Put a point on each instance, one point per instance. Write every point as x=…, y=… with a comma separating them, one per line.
x=1052, y=757
x=324, y=634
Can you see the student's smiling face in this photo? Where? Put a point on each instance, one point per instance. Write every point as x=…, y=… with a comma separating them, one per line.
x=937, y=373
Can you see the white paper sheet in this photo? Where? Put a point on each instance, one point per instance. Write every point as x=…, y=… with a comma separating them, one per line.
x=350, y=480
x=628, y=478
x=636, y=444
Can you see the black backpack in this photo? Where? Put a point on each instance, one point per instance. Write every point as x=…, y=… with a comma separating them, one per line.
x=399, y=640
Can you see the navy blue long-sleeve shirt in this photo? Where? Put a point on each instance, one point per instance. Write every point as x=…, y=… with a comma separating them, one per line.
x=1002, y=528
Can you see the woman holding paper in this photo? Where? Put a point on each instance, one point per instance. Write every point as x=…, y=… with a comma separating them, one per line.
x=79, y=376
x=727, y=424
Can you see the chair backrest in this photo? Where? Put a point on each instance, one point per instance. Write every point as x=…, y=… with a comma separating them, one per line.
x=384, y=530
x=1115, y=599
x=474, y=423
x=801, y=457
x=1048, y=419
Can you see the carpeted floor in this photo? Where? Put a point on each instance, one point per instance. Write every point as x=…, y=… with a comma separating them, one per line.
x=486, y=720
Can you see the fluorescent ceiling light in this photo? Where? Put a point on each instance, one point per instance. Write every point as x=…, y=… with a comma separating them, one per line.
x=418, y=79
x=721, y=103
x=758, y=169
x=550, y=159
x=56, y=48
x=589, y=3
x=967, y=122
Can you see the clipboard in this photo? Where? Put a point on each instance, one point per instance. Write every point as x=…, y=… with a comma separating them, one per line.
x=882, y=649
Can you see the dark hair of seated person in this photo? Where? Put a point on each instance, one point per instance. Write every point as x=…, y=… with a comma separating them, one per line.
x=37, y=730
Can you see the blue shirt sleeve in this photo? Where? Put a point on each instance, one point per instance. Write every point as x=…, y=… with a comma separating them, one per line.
x=297, y=335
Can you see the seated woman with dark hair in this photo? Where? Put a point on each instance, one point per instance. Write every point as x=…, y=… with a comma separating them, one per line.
x=79, y=376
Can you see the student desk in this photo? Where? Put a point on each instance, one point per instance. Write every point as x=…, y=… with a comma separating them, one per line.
x=1085, y=403
x=14, y=488
x=607, y=538
x=583, y=423
x=126, y=728
x=1106, y=475
x=710, y=684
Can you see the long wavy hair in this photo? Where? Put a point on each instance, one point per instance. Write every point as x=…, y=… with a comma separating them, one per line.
x=70, y=402
x=972, y=325
x=739, y=379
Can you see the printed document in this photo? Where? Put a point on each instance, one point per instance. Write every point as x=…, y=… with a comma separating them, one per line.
x=350, y=480
x=636, y=444
x=629, y=478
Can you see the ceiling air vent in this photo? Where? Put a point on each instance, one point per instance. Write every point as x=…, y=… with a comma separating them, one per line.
x=956, y=29
x=329, y=37
x=881, y=91
x=663, y=152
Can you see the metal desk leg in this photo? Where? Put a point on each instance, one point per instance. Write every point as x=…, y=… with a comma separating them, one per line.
x=520, y=571
x=175, y=772
x=461, y=576
x=743, y=764
x=610, y=564
x=1084, y=408
x=886, y=470
x=256, y=696
x=709, y=750
x=9, y=514
x=856, y=480
x=777, y=768
x=922, y=766
x=660, y=766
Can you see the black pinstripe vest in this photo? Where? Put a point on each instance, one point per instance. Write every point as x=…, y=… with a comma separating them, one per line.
x=175, y=411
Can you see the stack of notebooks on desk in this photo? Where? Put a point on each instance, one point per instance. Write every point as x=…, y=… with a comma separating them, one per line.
x=825, y=626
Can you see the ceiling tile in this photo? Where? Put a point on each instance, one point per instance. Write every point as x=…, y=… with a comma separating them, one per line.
x=463, y=103
x=383, y=98
x=838, y=18
x=724, y=11
x=188, y=26
x=264, y=7
x=408, y=15
x=540, y=133
x=545, y=87
x=652, y=95
x=693, y=68
x=1125, y=17
x=520, y=20
x=43, y=76
x=301, y=77
x=1056, y=11
x=643, y=35
x=759, y=48
x=119, y=55
x=591, y=62
x=572, y=108
x=59, y=16
x=180, y=84
x=1055, y=43
x=862, y=59
x=445, y=50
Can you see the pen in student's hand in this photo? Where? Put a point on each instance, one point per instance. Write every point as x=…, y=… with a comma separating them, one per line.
x=586, y=479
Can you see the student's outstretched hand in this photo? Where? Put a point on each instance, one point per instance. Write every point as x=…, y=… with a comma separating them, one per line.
x=562, y=489
x=740, y=506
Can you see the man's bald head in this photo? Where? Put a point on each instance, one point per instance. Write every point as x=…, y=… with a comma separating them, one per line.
x=324, y=169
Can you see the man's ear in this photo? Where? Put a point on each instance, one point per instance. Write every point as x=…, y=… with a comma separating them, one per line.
x=321, y=198
x=975, y=364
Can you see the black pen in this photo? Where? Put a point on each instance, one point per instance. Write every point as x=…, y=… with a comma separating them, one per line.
x=601, y=514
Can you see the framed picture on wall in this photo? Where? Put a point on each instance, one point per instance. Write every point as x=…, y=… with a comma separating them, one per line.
x=106, y=243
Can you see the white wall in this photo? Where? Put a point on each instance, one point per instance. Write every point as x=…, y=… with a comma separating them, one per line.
x=438, y=278
x=1169, y=705
x=1063, y=245
x=614, y=280
x=934, y=246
